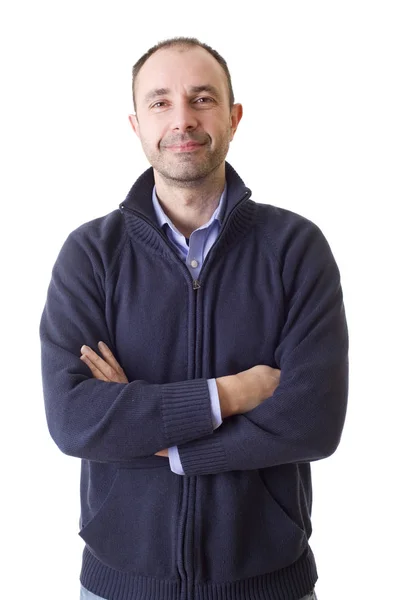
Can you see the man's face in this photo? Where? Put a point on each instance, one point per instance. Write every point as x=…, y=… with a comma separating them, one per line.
x=182, y=98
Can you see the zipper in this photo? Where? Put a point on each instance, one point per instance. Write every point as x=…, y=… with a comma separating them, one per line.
x=196, y=283
x=186, y=571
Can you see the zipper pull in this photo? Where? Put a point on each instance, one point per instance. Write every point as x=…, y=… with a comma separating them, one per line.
x=196, y=284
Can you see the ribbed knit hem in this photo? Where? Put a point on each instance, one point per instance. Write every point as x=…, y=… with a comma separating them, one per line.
x=203, y=457
x=186, y=411
x=290, y=583
x=116, y=585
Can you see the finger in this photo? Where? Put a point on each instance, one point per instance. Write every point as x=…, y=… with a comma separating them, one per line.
x=95, y=371
x=109, y=357
x=162, y=453
x=99, y=362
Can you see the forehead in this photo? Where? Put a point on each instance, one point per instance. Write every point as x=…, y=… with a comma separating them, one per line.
x=177, y=68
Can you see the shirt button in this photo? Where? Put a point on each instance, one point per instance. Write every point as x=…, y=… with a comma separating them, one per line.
x=194, y=263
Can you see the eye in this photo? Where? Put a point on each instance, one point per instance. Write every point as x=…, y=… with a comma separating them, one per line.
x=205, y=100
x=157, y=104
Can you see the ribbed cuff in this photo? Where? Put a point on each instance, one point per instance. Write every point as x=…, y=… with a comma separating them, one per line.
x=203, y=457
x=186, y=411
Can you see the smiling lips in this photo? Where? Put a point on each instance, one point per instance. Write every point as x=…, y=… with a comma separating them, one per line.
x=188, y=147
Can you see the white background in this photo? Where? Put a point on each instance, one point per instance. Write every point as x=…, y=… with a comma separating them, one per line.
x=319, y=82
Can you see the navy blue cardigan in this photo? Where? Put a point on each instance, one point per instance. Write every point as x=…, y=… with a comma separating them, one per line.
x=237, y=524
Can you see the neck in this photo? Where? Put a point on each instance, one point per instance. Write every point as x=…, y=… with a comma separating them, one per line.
x=190, y=207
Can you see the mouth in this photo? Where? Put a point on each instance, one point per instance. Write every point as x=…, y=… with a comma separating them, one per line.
x=188, y=147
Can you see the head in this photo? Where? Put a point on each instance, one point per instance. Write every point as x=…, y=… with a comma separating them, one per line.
x=182, y=94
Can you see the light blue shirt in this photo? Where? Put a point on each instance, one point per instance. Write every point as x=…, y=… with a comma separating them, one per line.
x=193, y=254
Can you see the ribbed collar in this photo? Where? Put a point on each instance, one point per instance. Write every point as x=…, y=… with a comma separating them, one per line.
x=141, y=219
x=139, y=196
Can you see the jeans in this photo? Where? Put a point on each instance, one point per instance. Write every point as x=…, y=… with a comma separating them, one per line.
x=86, y=595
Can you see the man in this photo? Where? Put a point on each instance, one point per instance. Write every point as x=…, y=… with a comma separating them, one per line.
x=194, y=356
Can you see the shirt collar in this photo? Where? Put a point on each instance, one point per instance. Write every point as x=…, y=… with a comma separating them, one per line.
x=162, y=218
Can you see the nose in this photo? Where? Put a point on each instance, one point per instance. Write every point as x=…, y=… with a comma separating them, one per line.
x=183, y=117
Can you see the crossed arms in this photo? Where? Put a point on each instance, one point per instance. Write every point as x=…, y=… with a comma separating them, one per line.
x=118, y=421
x=237, y=393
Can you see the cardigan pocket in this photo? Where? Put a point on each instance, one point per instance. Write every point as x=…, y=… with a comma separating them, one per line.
x=135, y=528
x=241, y=531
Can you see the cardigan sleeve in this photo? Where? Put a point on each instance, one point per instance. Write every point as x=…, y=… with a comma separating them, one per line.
x=98, y=420
x=303, y=420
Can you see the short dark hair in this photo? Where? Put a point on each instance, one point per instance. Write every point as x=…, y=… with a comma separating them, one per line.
x=185, y=42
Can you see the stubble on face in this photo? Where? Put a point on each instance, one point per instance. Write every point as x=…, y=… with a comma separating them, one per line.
x=188, y=169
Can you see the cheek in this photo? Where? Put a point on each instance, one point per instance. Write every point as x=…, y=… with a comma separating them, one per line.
x=157, y=134
x=219, y=135
x=150, y=138
x=220, y=128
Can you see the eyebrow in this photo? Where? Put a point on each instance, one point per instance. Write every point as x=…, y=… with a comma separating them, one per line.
x=194, y=89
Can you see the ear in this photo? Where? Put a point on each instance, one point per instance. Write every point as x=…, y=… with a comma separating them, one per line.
x=236, y=115
x=135, y=124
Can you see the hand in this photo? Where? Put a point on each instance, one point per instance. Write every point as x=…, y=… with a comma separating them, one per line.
x=259, y=383
x=244, y=391
x=106, y=368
